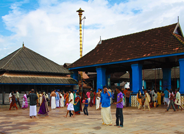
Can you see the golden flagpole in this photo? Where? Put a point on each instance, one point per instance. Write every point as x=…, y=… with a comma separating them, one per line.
x=80, y=11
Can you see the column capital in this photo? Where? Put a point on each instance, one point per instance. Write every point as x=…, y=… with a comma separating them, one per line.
x=182, y=59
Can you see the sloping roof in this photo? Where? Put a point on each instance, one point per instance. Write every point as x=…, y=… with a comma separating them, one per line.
x=26, y=60
x=149, y=74
x=153, y=42
x=7, y=78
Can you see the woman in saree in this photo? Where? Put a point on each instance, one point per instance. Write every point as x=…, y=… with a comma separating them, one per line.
x=139, y=99
x=77, y=104
x=24, y=103
x=159, y=97
x=66, y=98
x=44, y=106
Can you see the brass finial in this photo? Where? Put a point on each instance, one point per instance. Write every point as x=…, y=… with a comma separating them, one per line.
x=23, y=44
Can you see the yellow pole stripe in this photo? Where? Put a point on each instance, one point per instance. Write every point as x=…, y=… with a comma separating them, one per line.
x=80, y=33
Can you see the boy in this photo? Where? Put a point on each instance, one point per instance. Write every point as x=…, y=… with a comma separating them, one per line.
x=85, y=110
x=119, y=107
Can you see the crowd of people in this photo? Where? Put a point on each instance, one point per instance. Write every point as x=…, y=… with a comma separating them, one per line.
x=154, y=98
x=103, y=99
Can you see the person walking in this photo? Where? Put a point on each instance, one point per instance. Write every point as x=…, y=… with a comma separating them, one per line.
x=171, y=98
x=24, y=102
x=13, y=102
x=106, y=109
x=98, y=100
x=88, y=95
x=91, y=98
x=119, y=108
x=159, y=97
x=85, y=109
x=33, y=99
x=10, y=97
x=178, y=99
x=61, y=99
x=147, y=100
x=57, y=98
x=139, y=99
x=70, y=105
x=53, y=99
x=127, y=97
x=166, y=97
x=17, y=98
x=44, y=106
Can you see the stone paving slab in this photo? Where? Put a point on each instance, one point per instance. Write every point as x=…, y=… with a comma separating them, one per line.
x=156, y=121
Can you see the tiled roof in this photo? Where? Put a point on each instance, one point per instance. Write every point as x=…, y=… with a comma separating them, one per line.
x=153, y=42
x=35, y=79
x=149, y=74
x=26, y=60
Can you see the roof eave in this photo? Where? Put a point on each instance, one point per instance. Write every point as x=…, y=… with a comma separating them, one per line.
x=127, y=61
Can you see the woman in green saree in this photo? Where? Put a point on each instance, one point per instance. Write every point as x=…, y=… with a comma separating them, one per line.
x=77, y=104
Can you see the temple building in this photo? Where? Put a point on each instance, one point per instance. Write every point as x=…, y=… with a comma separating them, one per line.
x=25, y=69
x=161, y=47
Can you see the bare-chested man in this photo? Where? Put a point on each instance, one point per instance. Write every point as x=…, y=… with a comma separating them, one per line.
x=98, y=95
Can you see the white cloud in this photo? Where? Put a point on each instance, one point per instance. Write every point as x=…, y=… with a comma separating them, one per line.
x=52, y=29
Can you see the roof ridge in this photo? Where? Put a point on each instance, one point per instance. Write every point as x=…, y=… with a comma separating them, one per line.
x=176, y=36
x=12, y=57
x=139, y=32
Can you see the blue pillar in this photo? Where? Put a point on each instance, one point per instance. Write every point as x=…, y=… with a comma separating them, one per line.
x=101, y=77
x=181, y=63
x=178, y=83
x=75, y=75
x=136, y=77
x=160, y=83
x=166, y=78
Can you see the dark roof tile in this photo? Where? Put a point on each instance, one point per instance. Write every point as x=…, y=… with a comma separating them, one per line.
x=153, y=42
x=26, y=60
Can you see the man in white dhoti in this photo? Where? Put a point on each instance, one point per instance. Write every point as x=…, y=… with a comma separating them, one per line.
x=61, y=100
x=166, y=97
x=98, y=100
x=70, y=105
x=33, y=99
x=106, y=109
x=178, y=100
x=57, y=98
x=53, y=99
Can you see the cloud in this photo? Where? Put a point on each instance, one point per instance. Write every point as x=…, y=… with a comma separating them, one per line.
x=52, y=28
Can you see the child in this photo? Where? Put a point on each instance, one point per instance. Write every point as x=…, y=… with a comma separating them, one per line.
x=119, y=107
x=85, y=110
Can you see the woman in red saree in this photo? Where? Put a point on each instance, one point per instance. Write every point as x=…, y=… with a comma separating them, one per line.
x=66, y=98
x=77, y=104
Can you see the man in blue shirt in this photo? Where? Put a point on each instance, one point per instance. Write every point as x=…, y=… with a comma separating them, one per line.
x=57, y=98
x=106, y=109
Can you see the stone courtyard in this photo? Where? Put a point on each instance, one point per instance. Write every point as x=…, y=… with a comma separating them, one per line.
x=156, y=121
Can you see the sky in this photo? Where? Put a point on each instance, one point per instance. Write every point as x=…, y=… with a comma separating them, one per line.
x=51, y=27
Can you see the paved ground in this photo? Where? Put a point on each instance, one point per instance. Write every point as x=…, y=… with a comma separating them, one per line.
x=156, y=121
